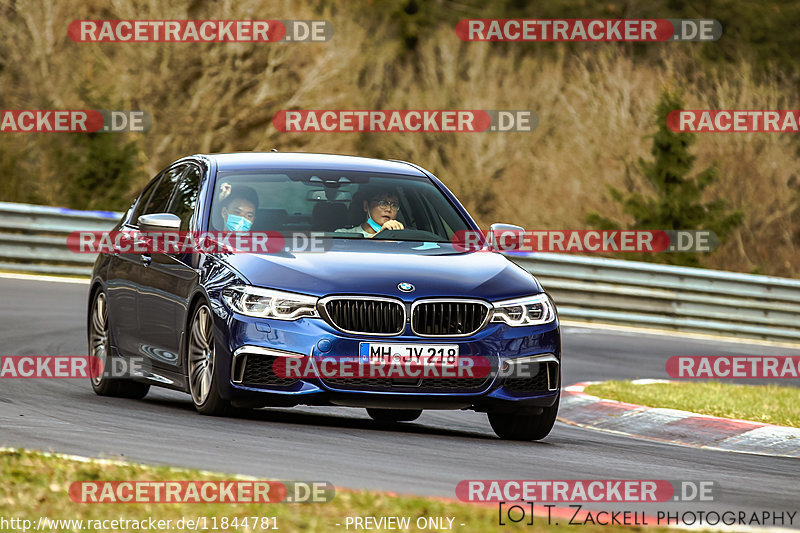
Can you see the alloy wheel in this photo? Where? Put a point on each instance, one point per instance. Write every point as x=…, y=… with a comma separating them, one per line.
x=98, y=336
x=201, y=355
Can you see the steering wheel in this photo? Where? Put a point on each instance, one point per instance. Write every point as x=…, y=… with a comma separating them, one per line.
x=408, y=235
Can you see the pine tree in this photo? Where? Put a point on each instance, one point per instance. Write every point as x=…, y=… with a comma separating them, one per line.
x=676, y=201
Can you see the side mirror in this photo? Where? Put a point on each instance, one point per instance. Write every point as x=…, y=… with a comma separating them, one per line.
x=505, y=237
x=159, y=222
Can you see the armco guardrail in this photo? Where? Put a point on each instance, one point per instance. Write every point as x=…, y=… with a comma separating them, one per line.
x=33, y=238
x=669, y=297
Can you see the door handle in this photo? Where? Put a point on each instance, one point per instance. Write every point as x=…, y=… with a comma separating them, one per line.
x=146, y=259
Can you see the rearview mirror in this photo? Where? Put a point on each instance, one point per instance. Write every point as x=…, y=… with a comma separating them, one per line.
x=330, y=195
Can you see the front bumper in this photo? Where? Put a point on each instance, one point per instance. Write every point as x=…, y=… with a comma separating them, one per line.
x=248, y=347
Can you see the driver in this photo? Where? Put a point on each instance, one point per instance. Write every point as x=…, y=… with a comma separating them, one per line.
x=239, y=206
x=381, y=210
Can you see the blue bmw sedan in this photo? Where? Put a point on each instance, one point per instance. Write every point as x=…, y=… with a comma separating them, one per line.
x=369, y=271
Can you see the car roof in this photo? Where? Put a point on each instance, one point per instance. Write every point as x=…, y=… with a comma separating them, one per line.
x=243, y=161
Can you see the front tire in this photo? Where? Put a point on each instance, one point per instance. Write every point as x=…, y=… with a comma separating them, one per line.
x=394, y=415
x=100, y=347
x=201, y=365
x=517, y=426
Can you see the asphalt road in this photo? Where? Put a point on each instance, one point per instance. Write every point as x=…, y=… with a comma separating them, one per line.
x=343, y=446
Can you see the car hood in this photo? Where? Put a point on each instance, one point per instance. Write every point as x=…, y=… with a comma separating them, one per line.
x=440, y=272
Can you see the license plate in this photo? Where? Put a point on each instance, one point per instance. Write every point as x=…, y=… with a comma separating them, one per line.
x=378, y=353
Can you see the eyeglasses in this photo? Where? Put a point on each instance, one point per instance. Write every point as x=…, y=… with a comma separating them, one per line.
x=385, y=203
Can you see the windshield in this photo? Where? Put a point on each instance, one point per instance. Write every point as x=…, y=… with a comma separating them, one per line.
x=348, y=205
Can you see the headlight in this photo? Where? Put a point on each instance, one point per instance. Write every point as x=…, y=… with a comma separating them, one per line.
x=268, y=303
x=527, y=311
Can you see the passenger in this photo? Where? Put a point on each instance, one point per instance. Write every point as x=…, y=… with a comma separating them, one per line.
x=381, y=210
x=239, y=206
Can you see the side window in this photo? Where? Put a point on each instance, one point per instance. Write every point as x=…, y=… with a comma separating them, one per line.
x=185, y=197
x=160, y=199
x=143, y=199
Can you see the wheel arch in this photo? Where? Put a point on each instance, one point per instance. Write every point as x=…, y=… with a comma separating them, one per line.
x=97, y=285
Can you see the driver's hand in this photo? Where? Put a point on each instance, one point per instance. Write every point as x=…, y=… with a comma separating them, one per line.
x=393, y=224
x=224, y=191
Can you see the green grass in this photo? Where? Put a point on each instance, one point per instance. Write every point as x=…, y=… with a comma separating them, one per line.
x=770, y=404
x=36, y=484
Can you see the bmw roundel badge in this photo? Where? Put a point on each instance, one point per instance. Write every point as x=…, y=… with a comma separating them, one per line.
x=405, y=286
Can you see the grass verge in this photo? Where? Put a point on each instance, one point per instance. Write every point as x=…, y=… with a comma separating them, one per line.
x=770, y=404
x=36, y=485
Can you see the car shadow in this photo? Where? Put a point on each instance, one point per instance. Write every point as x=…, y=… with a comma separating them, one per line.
x=173, y=401
x=284, y=415
x=344, y=422
x=281, y=416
